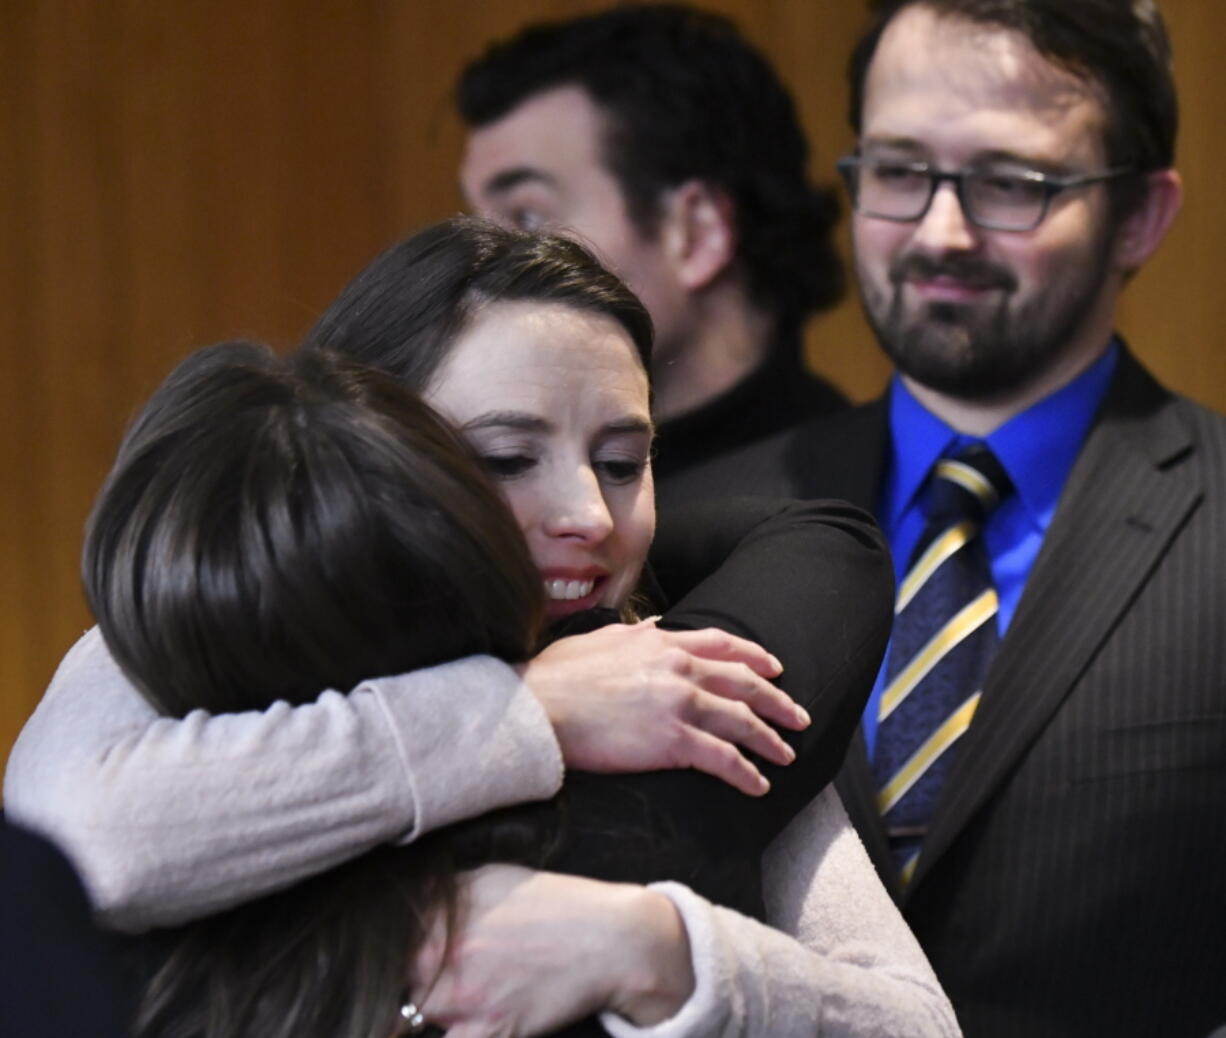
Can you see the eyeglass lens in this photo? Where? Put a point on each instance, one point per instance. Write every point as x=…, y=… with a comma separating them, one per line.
x=991, y=198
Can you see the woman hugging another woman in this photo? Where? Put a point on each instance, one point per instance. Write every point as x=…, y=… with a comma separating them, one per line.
x=275, y=529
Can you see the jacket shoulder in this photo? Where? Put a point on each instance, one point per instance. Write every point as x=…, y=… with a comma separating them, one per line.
x=837, y=455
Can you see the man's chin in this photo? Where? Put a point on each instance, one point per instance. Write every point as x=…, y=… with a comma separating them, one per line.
x=952, y=364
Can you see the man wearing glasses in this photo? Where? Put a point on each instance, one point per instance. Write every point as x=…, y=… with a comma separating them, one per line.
x=1041, y=777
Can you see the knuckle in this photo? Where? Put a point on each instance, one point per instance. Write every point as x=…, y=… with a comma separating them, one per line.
x=743, y=715
x=674, y=702
x=677, y=745
x=677, y=660
x=686, y=701
x=745, y=674
x=666, y=689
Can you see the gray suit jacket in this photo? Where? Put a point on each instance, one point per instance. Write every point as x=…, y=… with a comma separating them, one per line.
x=1069, y=882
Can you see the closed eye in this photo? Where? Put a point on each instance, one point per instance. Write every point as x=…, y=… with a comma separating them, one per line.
x=619, y=470
x=507, y=466
x=899, y=175
x=1007, y=186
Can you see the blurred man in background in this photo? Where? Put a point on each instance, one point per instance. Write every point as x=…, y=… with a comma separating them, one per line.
x=658, y=136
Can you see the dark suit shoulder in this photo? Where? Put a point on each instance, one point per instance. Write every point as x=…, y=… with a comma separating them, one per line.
x=1167, y=427
x=1209, y=428
x=833, y=456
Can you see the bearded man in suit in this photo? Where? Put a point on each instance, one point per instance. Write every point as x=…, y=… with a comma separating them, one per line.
x=1062, y=729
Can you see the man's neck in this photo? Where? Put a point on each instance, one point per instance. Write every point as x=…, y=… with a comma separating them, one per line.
x=980, y=417
x=727, y=341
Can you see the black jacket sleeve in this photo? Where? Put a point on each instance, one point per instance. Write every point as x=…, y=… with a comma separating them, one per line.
x=811, y=582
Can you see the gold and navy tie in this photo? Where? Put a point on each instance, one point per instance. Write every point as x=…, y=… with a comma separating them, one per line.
x=943, y=642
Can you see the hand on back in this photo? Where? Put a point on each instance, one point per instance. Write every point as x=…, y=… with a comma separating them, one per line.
x=535, y=951
x=630, y=698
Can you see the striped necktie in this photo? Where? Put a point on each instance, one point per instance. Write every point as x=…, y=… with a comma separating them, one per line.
x=943, y=642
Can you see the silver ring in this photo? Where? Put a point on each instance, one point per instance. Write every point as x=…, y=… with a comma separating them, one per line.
x=414, y=1021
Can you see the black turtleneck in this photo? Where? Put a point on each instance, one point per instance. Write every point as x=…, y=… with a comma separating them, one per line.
x=779, y=394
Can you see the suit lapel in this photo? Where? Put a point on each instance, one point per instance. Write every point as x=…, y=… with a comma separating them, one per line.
x=1132, y=487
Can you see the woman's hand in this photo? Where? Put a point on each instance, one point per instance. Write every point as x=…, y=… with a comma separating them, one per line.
x=534, y=951
x=635, y=698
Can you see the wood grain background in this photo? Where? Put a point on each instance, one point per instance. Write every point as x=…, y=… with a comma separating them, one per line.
x=184, y=171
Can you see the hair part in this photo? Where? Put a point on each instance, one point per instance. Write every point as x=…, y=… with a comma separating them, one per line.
x=684, y=96
x=1119, y=46
x=405, y=310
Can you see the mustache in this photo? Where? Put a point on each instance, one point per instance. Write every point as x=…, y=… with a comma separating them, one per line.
x=969, y=270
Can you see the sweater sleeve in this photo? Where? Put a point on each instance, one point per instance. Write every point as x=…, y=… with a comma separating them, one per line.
x=168, y=820
x=847, y=964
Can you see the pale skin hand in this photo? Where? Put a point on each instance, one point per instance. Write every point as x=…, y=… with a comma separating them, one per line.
x=538, y=950
x=630, y=698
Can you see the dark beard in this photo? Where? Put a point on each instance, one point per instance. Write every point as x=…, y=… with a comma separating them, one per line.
x=970, y=353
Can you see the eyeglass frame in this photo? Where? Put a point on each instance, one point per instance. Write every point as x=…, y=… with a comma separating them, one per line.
x=1052, y=185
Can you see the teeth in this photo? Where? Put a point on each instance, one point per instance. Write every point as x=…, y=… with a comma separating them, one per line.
x=568, y=590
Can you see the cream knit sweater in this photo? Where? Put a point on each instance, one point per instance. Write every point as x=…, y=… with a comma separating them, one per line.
x=169, y=820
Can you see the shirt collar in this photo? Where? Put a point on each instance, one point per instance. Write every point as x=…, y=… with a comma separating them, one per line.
x=1037, y=447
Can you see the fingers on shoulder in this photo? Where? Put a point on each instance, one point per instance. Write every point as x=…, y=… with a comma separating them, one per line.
x=710, y=754
x=714, y=644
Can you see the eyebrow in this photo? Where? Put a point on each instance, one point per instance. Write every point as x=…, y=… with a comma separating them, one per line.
x=989, y=155
x=507, y=420
x=507, y=179
x=901, y=143
x=630, y=425
x=525, y=422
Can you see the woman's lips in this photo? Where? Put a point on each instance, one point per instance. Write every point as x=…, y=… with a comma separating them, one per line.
x=567, y=593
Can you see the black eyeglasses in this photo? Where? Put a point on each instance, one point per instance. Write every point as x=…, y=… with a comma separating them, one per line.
x=992, y=198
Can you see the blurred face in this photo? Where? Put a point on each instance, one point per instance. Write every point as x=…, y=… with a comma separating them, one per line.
x=554, y=401
x=540, y=167
x=970, y=312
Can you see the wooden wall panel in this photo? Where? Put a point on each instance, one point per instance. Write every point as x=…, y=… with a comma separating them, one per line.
x=1175, y=313
x=180, y=172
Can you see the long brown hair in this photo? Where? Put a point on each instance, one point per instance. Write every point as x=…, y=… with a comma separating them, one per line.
x=274, y=528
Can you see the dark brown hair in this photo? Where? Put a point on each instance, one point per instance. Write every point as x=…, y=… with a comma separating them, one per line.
x=1119, y=45
x=685, y=97
x=404, y=310
x=275, y=527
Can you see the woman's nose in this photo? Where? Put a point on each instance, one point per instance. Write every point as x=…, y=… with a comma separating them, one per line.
x=577, y=508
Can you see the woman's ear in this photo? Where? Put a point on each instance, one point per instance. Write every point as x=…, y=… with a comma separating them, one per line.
x=698, y=232
x=1144, y=228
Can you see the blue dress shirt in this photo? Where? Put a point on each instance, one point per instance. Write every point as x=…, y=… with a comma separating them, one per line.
x=1037, y=449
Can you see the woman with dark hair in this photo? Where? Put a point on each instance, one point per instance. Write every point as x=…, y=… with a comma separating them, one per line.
x=272, y=528
x=537, y=356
